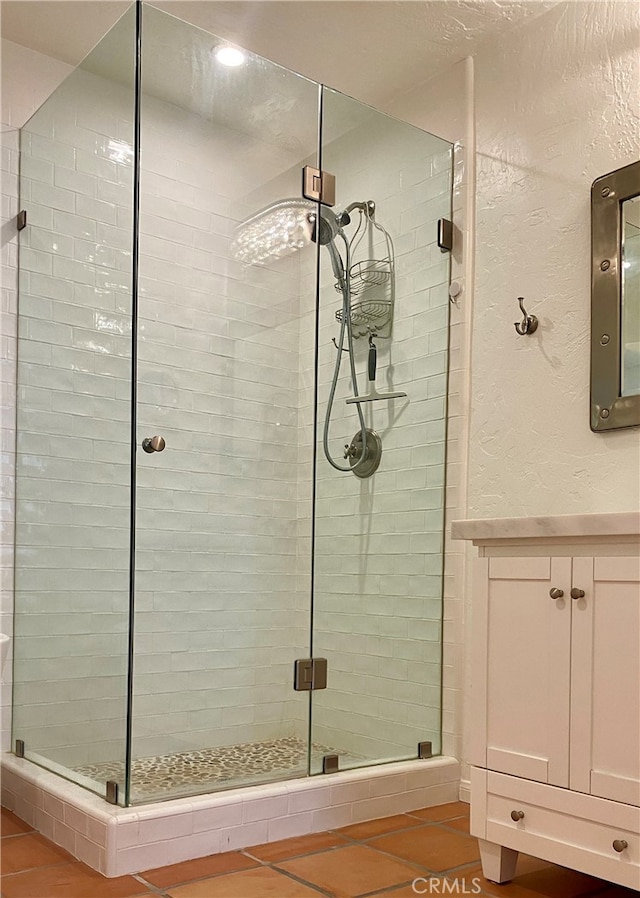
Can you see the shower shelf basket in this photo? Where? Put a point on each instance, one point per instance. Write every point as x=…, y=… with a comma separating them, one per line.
x=372, y=280
x=372, y=315
x=369, y=273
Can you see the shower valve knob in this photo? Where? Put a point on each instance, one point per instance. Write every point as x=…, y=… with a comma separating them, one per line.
x=153, y=444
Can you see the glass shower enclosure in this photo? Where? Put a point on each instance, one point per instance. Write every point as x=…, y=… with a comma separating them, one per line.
x=227, y=572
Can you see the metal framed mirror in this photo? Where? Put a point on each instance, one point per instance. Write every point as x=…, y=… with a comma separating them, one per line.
x=615, y=299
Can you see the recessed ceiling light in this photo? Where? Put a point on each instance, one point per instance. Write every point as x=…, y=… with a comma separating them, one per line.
x=230, y=56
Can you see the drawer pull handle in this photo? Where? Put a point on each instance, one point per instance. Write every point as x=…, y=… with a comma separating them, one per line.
x=556, y=593
x=577, y=593
x=518, y=815
x=620, y=845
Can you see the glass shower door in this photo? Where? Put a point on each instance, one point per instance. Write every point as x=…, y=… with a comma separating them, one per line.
x=224, y=421
x=378, y=548
x=74, y=420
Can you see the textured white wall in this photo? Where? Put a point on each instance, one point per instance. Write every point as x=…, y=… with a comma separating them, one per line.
x=557, y=105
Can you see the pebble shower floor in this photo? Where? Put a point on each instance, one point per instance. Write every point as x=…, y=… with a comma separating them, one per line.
x=229, y=765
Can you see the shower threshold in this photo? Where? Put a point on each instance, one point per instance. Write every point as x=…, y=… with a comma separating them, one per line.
x=223, y=767
x=117, y=841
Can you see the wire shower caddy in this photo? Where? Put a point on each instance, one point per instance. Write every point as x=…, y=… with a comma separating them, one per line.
x=372, y=281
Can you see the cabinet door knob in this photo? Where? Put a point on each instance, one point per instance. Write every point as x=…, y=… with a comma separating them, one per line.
x=577, y=593
x=518, y=815
x=556, y=593
x=620, y=845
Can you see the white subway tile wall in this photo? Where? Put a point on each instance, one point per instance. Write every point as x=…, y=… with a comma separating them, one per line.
x=223, y=515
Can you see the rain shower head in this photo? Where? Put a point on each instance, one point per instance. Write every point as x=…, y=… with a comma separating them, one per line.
x=284, y=227
x=276, y=231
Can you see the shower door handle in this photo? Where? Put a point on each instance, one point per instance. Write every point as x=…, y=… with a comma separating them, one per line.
x=153, y=444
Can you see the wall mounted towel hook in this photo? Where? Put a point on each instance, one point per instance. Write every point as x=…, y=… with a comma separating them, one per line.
x=529, y=323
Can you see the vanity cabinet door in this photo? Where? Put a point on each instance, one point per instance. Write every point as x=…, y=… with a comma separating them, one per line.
x=521, y=667
x=605, y=678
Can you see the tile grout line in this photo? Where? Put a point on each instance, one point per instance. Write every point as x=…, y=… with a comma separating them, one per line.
x=303, y=882
x=45, y=867
x=153, y=890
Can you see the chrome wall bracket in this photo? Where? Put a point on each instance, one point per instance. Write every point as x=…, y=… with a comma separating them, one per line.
x=111, y=794
x=425, y=750
x=330, y=764
x=319, y=186
x=309, y=673
x=19, y=749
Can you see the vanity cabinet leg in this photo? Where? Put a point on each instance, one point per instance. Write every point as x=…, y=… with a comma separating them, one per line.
x=498, y=863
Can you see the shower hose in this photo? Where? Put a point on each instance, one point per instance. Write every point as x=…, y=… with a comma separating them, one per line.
x=345, y=326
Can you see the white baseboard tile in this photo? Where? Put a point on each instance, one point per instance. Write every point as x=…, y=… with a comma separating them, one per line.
x=118, y=841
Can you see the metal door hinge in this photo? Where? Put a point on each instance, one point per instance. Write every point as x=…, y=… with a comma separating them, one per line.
x=445, y=235
x=112, y=792
x=425, y=750
x=319, y=186
x=21, y=220
x=330, y=763
x=309, y=673
x=19, y=752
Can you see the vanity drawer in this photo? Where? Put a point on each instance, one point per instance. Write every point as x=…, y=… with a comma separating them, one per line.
x=571, y=829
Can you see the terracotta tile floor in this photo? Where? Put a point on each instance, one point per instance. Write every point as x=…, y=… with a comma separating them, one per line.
x=378, y=858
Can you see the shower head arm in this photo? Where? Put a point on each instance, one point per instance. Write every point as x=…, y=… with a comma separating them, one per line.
x=368, y=207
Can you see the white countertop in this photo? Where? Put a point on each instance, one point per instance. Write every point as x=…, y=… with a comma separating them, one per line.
x=566, y=525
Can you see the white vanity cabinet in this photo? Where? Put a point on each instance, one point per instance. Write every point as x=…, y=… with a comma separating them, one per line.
x=555, y=677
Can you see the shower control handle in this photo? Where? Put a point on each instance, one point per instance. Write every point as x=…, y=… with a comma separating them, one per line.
x=153, y=444
x=351, y=451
